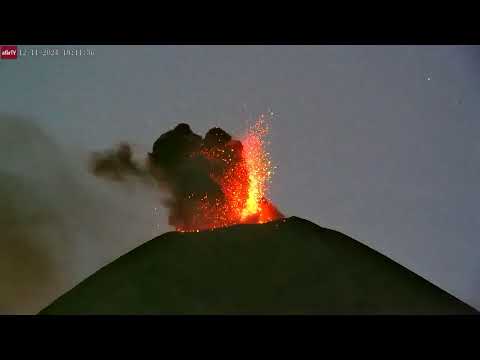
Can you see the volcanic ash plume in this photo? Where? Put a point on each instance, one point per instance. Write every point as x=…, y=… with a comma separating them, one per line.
x=215, y=181
x=116, y=164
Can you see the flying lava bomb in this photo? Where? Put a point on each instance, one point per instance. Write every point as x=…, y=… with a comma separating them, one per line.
x=214, y=181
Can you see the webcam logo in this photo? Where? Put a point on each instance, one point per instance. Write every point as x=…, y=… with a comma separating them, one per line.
x=8, y=52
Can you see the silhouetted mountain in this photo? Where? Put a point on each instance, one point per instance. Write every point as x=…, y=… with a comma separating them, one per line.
x=291, y=266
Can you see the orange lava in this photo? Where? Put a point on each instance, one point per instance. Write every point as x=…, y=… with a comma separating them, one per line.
x=244, y=184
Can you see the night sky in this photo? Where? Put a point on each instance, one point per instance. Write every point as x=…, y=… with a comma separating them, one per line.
x=378, y=142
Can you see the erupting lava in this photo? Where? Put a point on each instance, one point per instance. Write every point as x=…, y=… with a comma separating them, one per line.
x=259, y=171
x=244, y=183
x=212, y=181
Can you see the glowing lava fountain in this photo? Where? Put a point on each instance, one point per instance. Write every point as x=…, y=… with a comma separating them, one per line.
x=244, y=183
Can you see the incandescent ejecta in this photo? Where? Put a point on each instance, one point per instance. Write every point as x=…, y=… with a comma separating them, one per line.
x=214, y=181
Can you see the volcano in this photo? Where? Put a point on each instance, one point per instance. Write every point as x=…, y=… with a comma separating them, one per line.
x=288, y=266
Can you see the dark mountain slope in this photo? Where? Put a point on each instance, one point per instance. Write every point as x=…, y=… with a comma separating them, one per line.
x=290, y=266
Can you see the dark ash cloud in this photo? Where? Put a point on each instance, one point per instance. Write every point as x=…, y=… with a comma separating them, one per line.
x=186, y=166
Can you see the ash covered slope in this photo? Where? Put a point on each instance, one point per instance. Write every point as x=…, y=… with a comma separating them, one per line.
x=290, y=266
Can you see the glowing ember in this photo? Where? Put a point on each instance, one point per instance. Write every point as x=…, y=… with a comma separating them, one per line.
x=244, y=183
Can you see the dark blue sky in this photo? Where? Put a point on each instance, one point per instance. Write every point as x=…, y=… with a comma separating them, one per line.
x=379, y=142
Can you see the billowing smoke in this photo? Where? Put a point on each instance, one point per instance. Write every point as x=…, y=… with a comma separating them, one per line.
x=118, y=164
x=208, y=180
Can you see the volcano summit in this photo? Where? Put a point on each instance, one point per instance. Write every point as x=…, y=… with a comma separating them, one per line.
x=288, y=266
